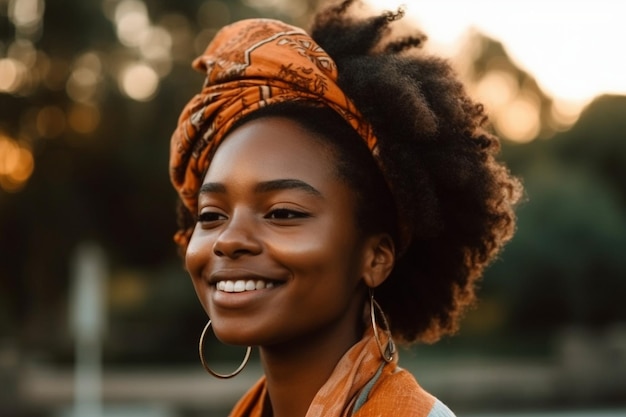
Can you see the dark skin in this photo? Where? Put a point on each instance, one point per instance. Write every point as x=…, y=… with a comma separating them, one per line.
x=275, y=218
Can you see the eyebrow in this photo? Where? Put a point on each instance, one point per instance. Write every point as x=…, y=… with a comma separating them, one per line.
x=286, y=184
x=265, y=187
x=212, y=187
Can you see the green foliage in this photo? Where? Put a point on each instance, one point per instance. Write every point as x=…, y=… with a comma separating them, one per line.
x=567, y=263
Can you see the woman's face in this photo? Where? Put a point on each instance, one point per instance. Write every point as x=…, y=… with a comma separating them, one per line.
x=276, y=256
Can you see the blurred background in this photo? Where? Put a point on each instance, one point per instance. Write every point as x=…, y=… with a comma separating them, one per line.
x=97, y=315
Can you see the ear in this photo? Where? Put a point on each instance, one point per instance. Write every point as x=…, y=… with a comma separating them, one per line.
x=379, y=259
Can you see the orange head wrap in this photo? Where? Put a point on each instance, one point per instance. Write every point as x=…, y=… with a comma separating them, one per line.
x=250, y=64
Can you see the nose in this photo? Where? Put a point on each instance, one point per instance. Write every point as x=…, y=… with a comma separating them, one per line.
x=237, y=237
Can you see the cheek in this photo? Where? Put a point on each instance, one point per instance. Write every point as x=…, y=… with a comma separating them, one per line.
x=196, y=259
x=194, y=255
x=323, y=251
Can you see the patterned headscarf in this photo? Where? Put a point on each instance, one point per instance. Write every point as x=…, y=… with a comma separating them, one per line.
x=250, y=64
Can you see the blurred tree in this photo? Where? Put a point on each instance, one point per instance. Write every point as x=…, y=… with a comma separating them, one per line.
x=518, y=108
x=598, y=143
x=566, y=265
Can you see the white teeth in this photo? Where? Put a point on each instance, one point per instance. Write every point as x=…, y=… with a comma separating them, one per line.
x=241, y=285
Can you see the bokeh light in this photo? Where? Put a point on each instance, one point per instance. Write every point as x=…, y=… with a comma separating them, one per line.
x=26, y=15
x=51, y=121
x=139, y=82
x=23, y=50
x=16, y=164
x=155, y=43
x=131, y=19
x=515, y=111
x=22, y=69
x=180, y=29
x=12, y=74
x=83, y=118
x=84, y=80
x=497, y=88
x=148, y=49
x=564, y=114
x=519, y=120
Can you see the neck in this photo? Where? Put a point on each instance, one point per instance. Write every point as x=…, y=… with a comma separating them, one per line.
x=295, y=371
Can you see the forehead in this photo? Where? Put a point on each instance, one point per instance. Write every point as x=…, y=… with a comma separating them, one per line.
x=270, y=148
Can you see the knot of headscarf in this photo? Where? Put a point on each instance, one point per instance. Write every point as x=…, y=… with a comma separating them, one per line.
x=251, y=64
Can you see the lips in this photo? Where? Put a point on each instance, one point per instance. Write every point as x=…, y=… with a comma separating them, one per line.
x=241, y=285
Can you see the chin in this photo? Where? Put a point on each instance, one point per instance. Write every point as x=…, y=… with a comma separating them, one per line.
x=235, y=335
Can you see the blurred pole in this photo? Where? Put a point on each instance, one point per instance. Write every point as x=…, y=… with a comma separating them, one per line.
x=87, y=321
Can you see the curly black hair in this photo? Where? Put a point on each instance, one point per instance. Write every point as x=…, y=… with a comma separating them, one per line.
x=442, y=184
x=438, y=157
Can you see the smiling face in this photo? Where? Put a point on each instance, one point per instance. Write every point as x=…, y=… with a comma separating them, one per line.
x=276, y=256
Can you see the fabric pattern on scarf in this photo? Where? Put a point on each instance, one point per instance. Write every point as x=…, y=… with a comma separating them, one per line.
x=362, y=385
x=251, y=64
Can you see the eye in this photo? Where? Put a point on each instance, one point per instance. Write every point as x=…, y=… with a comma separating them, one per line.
x=286, y=214
x=207, y=218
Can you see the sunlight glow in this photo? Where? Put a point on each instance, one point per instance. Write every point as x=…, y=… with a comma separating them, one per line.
x=572, y=48
x=497, y=88
x=564, y=114
x=519, y=121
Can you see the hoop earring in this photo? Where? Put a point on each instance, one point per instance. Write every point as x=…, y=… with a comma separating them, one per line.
x=211, y=371
x=388, y=352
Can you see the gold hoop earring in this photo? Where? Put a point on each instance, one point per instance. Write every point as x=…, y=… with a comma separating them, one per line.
x=211, y=371
x=388, y=352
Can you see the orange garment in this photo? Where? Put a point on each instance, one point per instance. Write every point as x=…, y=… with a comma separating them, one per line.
x=250, y=64
x=361, y=385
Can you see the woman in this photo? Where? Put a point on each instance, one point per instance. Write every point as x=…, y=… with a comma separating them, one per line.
x=339, y=193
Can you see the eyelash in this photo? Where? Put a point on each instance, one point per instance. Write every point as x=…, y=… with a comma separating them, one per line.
x=210, y=216
x=286, y=214
x=276, y=214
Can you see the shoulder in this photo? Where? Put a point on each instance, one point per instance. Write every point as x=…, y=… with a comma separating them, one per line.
x=398, y=393
x=440, y=410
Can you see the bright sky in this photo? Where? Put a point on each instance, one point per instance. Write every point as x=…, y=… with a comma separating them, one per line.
x=571, y=47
